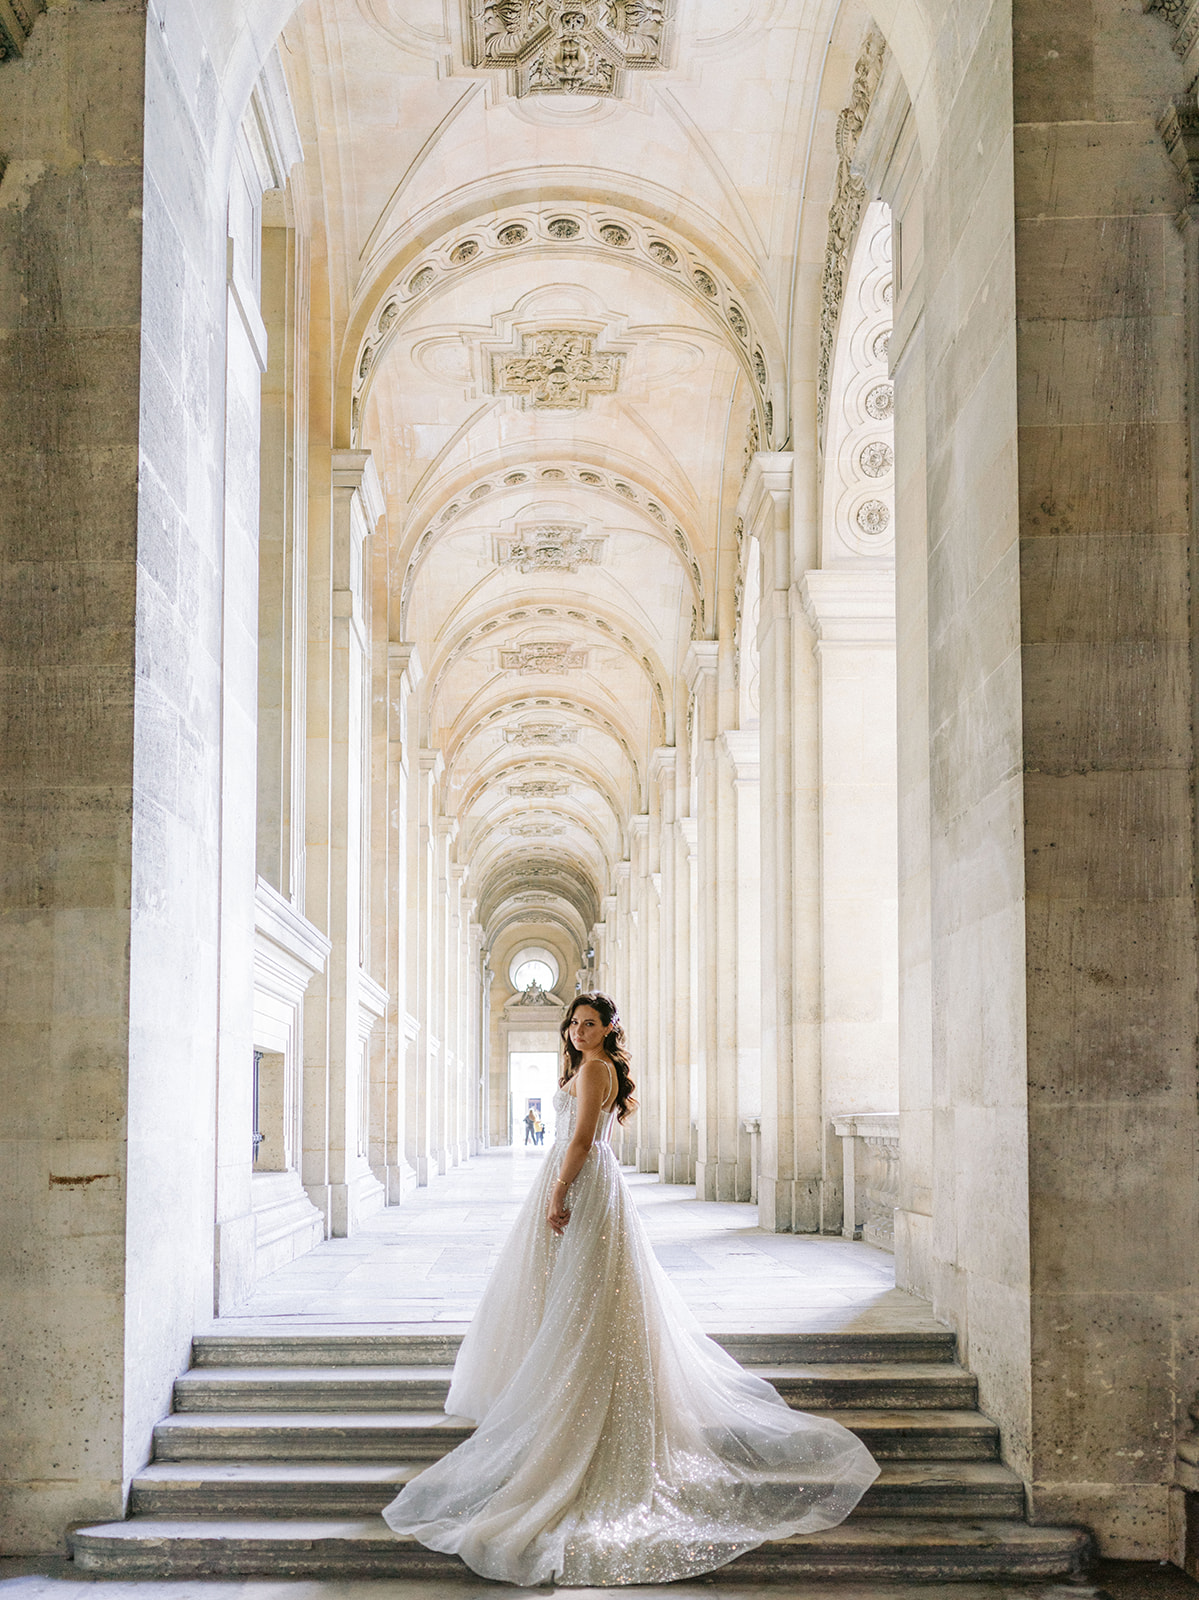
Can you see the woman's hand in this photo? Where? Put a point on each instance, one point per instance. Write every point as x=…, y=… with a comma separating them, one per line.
x=557, y=1214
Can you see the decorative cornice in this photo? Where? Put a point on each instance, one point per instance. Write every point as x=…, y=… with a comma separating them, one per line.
x=355, y=470
x=844, y=213
x=850, y=606
x=277, y=919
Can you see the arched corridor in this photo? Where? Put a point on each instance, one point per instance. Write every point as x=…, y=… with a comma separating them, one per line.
x=683, y=497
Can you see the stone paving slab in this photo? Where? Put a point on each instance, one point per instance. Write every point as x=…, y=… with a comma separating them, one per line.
x=422, y=1265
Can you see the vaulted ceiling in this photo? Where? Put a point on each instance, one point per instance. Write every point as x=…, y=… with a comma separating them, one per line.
x=558, y=262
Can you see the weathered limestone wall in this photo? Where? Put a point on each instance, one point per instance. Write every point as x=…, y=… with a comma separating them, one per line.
x=959, y=376
x=113, y=370
x=70, y=307
x=1107, y=782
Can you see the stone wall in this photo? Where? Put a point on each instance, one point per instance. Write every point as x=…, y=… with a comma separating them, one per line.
x=1107, y=693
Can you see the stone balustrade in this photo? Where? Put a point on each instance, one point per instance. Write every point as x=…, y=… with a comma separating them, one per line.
x=870, y=1163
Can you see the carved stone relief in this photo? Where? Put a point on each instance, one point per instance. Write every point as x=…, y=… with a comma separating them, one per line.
x=548, y=228
x=845, y=212
x=1183, y=17
x=567, y=46
x=541, y=733
x=558, y=370
x=549, y=547
x=537, y=789
x=530, y=658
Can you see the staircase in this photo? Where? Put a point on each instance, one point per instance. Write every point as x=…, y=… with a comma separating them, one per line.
x=282, y=1450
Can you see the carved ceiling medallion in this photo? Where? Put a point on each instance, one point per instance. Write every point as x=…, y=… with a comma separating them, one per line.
x=541, y=789
x=568, y=46
x=530, y=658
x=558, y=370
x=541, y=733
x=549, y=547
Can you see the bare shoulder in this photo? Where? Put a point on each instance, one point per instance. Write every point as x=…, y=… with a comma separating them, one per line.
x=593, y=1076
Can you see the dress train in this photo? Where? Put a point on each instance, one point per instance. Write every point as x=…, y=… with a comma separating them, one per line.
x=615, y=1442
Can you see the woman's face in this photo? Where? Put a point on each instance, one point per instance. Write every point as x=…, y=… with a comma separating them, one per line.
x=586, y=1029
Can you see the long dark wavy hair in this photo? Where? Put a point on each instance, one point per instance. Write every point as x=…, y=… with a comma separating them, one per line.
x=614, y=1048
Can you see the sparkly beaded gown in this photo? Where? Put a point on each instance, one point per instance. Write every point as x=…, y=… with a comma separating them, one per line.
x=615, y=1442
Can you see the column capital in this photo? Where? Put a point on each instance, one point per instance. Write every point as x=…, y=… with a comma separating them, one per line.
x=663, y=762
x=431, y=761
x=404, y=658
x=743, y=748
x=769, y=478
x=701, y=658
x=354, y=471
x=848, y=605
x=764, y=506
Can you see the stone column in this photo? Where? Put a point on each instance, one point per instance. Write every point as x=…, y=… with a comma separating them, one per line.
x=789, y=1179
x=642, y=964
x=110, y=491
x=739, y=754
x=852, y=612
x=421, y=1054
x=716, y=1132
x=674, y=1105
x=1105, y=693
x=444, y=831
x=339, y=687
x=245, y=362
x=396, y=1170
x=621, y=990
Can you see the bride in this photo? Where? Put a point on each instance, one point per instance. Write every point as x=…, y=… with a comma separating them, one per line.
x=615, y=1442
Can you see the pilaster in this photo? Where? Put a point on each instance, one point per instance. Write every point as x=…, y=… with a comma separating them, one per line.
x=852, y=614
x=789, y=1179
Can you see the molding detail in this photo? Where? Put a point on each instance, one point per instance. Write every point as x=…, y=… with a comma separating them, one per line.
x=1179, y=128
x=16, y=24
x=537, y=657
x=1183, y=17
x=553, y=226
x=844, y=213
x=558, y=370
x=567, y=46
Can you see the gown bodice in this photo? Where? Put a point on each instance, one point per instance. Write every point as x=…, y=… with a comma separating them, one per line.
x=566, y=1110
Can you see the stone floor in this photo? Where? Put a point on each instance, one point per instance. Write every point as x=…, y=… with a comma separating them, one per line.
x=422, y=1266
x=51, y=1580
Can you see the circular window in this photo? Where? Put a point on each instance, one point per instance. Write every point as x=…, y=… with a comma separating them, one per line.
x=532, y=965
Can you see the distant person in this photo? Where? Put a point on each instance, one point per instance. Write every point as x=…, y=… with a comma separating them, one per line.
x=617, y=1443
x=538, y=1131
x=530, y=1127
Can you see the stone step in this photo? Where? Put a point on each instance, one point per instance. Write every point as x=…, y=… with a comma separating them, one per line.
x=359, y=1489
x=334, y=1348
x=893, y=1435
x=905, y=1548
x=897, y=1385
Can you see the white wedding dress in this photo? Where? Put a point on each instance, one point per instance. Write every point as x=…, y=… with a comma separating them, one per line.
x=615, y=1442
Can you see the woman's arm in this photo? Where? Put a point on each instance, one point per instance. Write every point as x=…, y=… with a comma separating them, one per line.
x=594, y=1081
